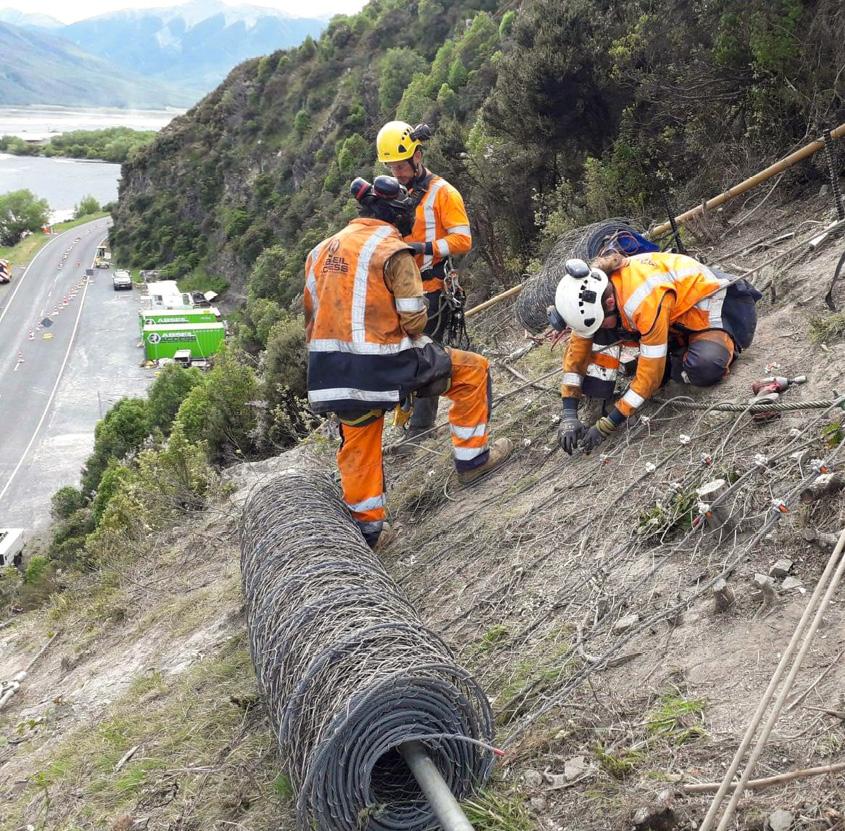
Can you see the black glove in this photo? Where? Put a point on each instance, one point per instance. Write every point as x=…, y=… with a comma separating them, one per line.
x=570, y=431
x=417, y=247
x=597, y=434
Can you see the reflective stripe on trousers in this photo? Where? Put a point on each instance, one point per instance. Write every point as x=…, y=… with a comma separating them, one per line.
x=359, y=460
x=469, y=415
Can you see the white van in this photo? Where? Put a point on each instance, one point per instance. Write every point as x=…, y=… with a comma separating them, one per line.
x=11, y=546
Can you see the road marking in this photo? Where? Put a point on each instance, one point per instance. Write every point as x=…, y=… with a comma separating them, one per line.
x=49, y=399
x=26, y=271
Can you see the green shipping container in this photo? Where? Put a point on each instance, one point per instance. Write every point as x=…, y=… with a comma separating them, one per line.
x=203, y=339
x=177, y=317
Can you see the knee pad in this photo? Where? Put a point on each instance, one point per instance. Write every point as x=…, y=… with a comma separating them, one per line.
x=706, y=363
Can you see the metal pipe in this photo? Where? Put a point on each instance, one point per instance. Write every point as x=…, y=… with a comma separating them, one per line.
x=449, y=813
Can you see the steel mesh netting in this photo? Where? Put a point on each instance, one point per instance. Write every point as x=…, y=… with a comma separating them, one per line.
x=584, y=243
x=348, y=669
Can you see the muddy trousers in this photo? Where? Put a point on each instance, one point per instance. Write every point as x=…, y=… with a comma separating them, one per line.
x=360, y=455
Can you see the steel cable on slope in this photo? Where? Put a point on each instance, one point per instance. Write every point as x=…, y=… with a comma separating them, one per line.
x=348, y=669
x=584, y=243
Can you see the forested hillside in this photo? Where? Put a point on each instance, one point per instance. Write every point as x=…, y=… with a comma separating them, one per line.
x=546, y=114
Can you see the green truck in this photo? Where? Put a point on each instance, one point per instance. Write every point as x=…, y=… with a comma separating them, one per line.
x=164, y=340
x=177, y=317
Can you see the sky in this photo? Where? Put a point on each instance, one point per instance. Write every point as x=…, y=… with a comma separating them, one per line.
x=80, y=9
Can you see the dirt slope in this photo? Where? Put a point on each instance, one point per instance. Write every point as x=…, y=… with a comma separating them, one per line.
x=574, y=589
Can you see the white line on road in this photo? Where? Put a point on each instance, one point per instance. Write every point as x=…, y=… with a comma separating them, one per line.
x=52, y=395
x=26, y=271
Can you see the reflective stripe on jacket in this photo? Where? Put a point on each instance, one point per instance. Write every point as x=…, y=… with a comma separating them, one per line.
x=358, y=354
x=654, y=292
x=442, y=225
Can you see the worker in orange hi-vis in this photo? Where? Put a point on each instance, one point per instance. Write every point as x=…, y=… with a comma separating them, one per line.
x=440, y=231
x=690, y=322
x=365, y=315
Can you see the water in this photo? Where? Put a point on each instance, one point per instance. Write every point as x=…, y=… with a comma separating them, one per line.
x=41, y=122
x=62, y=182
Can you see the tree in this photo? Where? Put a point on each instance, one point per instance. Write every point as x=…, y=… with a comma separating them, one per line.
x=398, y=66
x=21, y=210
x=122, y=431
x=65, y=501
x=167, y=394
x=88, y=205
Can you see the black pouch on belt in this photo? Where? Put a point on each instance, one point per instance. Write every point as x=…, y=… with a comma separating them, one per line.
x=434, y=371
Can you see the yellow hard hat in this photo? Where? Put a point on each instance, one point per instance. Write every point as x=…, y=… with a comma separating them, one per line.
x=394, y=142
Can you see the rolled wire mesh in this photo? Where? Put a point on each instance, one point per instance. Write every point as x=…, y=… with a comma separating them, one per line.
x=347, y=668
x=584, y=243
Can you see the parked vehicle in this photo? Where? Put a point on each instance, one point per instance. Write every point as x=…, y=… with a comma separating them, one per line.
x=121, y=280
x=11, y=546
x=165, y=340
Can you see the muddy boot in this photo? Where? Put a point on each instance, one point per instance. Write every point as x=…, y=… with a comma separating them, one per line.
x=499, y=453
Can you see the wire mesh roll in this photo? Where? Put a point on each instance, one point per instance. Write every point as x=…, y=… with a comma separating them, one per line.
x=585, y=243
x=347, y=668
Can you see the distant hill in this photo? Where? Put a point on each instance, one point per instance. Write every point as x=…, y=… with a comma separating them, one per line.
x=36, y=67
x=28, y=21
x=195, y=44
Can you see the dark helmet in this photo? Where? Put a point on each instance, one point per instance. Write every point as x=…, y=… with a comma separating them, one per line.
x=386, y=199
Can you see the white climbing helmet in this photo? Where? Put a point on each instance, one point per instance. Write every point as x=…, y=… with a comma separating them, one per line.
x=578, y=297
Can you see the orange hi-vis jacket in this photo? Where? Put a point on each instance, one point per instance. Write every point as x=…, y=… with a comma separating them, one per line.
x=655, y=292
x=359, y=356
x=441, y=224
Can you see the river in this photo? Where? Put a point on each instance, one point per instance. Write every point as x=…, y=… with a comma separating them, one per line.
x=63, y=182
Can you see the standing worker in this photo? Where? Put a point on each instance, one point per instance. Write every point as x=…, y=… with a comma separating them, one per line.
x=364, y=319
x=440, y=231
x=691, y=323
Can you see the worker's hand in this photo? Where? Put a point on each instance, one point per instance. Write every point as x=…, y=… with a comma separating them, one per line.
x=417, y=247
x=570, y=431
x=597, y=434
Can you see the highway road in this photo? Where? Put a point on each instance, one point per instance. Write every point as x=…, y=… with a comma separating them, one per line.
x=67, y=352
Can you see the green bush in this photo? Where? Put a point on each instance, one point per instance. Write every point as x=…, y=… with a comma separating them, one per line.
x=87, y=205
x=167, y=393
x=21, y=211
x=66, y=501
x=122, y=431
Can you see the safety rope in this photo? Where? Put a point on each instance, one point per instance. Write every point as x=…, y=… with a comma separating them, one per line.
x=772, y=407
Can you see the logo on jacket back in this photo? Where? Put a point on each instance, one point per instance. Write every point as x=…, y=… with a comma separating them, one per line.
x=333, y=262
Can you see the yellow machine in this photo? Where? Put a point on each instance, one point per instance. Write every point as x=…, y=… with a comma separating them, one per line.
x=103, y=257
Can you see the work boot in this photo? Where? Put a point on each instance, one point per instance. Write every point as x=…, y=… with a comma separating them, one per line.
x=408, y=445
x=388, y=535
x=499, y=454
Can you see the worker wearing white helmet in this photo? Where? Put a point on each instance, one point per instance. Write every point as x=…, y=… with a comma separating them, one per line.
x=690, y=321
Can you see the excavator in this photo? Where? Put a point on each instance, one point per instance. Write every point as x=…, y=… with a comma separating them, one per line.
x=103, y=257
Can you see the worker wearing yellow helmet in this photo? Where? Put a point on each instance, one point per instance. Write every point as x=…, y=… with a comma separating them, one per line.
x=441, y=230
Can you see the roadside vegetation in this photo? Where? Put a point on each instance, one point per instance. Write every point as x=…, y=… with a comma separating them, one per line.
x=113, y=144
x=22, y=252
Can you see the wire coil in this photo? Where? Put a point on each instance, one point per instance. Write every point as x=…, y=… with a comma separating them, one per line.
x=584, y=243
x=348, y=670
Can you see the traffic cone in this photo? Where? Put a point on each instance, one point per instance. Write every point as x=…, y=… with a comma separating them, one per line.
x=55, y=311
x=65, y=302
x=20, y=357
x=31, y=335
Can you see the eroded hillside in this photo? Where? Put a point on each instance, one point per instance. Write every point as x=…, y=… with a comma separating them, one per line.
x=578, y=592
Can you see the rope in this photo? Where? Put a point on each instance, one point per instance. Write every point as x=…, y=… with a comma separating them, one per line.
x=774, y=407
x=817, y=604
x=348, y=670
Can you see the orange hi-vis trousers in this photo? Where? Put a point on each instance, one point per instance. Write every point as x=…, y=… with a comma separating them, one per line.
x=360, y=455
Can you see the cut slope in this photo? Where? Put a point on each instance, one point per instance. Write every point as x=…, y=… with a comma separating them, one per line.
x=575, y=590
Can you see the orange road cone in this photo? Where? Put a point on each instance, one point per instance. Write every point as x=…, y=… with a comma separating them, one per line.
x=31, y=335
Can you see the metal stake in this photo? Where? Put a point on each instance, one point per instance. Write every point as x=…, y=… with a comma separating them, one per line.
x=443, y=803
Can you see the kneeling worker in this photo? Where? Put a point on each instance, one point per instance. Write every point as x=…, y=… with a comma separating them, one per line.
x=364, y=317
x=691, y=323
